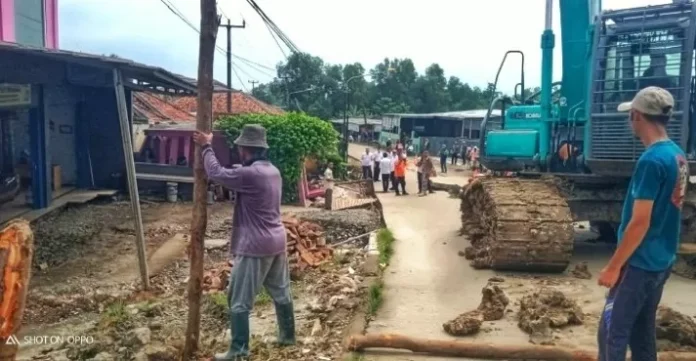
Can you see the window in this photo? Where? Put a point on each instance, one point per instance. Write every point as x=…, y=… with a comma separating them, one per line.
x=639, y=59
x=29, y=22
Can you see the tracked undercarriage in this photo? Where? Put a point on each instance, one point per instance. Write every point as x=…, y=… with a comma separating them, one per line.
x=526, y=224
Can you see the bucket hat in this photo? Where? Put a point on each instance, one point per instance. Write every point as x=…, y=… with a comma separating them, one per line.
x=252, y=135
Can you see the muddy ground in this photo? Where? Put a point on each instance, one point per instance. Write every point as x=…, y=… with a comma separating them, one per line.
x=85, y=283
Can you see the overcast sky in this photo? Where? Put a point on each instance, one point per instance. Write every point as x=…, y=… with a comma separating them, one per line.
x=466, y=37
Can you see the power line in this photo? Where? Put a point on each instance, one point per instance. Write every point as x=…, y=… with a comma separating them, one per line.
x=276, y=40
x=223, y=12
x=274, y=27
x=259, y=70
x=253, y=62
x=234, y=70
x=178, y=13
x=222, y=51
x=236, y=66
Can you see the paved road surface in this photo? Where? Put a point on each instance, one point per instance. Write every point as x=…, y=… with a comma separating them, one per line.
x=428, y=283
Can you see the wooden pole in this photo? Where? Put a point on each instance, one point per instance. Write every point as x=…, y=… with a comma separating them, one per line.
x=487, y=351
x=204, y=115
x=126, y=137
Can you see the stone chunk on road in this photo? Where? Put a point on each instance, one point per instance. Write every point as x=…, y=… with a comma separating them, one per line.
x=492, y=308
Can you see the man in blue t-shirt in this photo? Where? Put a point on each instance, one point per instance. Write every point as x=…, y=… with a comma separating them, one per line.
x=648, y=235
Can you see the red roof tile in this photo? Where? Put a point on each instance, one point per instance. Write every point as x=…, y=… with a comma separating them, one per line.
x=156, y=109
x=242, y=103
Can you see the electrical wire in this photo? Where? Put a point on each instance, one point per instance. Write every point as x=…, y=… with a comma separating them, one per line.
x=276, y=40
x=243, y=71
x=223, y=12
x=234, y=70
x=253, y=62
x=283, y=37
x=174, y=10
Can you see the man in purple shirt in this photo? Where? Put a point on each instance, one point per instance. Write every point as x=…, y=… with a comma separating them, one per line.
x=258, y=245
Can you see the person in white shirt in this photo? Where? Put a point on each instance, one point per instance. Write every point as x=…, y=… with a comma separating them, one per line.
x=328, y=176
x=376, y=158
x=385, y=166
x=366, y=162
x=393, y=158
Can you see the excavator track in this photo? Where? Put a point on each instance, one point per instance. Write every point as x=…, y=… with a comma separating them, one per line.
x=517, y=224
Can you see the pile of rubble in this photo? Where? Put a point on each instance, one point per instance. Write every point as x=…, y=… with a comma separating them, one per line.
x=492, y=308
x=306, y=244
x=546, y=309
x=306, y=248
x=215, y=278
x=675, y=330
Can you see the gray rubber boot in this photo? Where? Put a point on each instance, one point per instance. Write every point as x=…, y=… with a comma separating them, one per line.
x=285, y=314
x=239, y=346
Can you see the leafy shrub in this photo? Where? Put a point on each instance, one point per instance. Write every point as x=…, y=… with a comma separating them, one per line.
x=291, y=137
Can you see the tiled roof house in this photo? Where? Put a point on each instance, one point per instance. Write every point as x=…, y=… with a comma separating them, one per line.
x=242, y=103
x=153, y=109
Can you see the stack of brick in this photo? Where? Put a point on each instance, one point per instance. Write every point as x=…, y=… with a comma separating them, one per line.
x=306, y=248
x=306, y=244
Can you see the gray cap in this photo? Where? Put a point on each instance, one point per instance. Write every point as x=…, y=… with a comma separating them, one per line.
x=252, y=135
x=652, y=101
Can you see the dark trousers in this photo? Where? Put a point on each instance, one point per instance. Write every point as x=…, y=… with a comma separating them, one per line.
x=367, y=172
x=629, y=316
x=443, y=164
x=454, y=159
x=420, y=184
x=401, y=181
x=375, y=172
x=385, y=182
x=393, y=180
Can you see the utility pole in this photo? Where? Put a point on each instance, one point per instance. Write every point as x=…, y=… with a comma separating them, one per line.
x=229, y=28
x=204, y=123
x=253, y=84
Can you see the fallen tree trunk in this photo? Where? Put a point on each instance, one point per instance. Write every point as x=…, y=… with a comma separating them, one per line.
x=487, y=351
x=16, y=252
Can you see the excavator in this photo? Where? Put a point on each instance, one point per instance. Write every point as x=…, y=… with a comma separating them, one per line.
x=565, y=154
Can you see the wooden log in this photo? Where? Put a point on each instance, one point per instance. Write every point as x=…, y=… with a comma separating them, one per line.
x=16, y=253
x=487, y=351
x=204, y=122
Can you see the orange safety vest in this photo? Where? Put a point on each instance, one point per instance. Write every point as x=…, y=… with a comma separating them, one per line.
x=400, y=168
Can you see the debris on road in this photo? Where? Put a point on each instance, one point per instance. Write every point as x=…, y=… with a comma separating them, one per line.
x=581, y=271
x=491, y=308
x=544, y=309
x=215, y=278
x=339, y=225
x=468, y=323
x=306, y=244
x=675, y=327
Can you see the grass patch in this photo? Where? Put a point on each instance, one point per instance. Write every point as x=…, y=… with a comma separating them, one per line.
x=375, y=297
x=116, y=315
x=385, y=241
x=215, y=304
x=263, y=298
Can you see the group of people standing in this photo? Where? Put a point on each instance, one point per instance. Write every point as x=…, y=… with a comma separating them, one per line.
x=468, y=154
x=389, y=166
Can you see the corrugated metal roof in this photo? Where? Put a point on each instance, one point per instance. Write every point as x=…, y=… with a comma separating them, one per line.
x=359, y=121
x=463, y=114
x=148, y=77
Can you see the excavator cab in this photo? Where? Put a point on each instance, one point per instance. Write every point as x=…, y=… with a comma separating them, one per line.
x=634, y=49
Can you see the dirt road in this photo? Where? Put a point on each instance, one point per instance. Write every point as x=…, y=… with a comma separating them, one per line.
x=429, y=283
